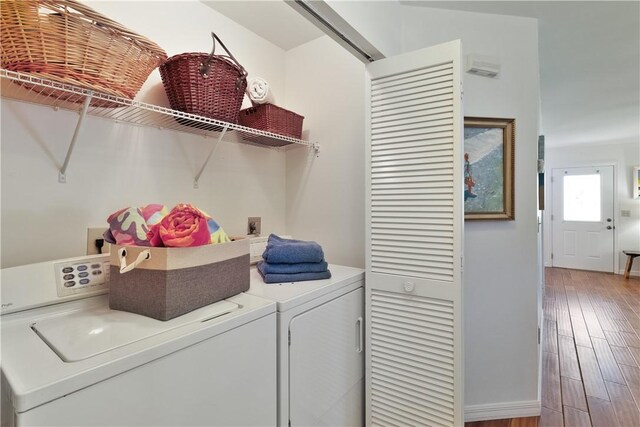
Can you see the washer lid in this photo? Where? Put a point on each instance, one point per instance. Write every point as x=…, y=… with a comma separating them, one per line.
x=85, y=333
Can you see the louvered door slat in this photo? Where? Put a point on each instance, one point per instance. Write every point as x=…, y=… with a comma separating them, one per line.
x=398, y=118
x=385, y=153
x=415, y=413
x=444, y=391
x=406, y=129
x=419, y=139
x=399, y=250
x=409, y=190
x=404, y=381
x=414, y=220
x=380, y=104
x=428, y=410
x=400, y=106
x=435, y=106
x=430, y=89
x=418, y=76
x=409, y=74
x=439, y=406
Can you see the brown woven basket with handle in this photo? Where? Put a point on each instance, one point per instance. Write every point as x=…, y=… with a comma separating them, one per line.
x=208, y=85
x=68, y=42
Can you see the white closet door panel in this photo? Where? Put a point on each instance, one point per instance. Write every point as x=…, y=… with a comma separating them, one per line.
x=425, y=344
x=414, y=239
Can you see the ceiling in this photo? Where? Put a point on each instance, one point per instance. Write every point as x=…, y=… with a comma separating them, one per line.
x=589, y=55
x=273, y=20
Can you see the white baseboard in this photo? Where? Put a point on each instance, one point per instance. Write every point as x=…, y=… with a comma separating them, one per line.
x=498, y=411
x=632, y=273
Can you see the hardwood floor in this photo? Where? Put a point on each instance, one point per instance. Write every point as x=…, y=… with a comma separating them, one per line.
x=590, y=352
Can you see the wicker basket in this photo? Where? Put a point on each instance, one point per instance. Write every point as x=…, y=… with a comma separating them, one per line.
x=274, y=119
x=68, y=42
x=208, y=85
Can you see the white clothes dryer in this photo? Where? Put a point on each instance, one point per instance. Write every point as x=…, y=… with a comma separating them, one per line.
x=67, y=359
x=320, y=348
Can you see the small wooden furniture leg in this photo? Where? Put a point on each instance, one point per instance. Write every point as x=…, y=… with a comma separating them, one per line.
x=630, y=256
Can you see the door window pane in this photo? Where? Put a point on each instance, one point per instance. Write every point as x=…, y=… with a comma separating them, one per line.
x=582, y=198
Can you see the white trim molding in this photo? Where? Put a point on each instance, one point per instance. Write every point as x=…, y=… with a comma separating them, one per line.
x=498, y=411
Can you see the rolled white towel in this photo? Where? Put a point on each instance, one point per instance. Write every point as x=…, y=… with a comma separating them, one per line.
x=259, y=91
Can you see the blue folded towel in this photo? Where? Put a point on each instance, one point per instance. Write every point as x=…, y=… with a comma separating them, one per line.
x=289, y=251
x=303, y=267
x=296, y=277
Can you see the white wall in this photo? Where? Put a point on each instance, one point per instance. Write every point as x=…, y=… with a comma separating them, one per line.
x=624, y=155
x=501, y=275
x=325, y=197
x=118, y=165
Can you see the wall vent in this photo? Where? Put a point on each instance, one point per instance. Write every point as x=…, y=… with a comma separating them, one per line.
x=481, y=65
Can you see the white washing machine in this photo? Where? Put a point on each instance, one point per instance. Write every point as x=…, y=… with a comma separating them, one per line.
x=67, y=359
x=320, y=348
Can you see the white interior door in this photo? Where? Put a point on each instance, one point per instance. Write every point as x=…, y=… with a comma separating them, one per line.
x=414, y=239
x=582, y=218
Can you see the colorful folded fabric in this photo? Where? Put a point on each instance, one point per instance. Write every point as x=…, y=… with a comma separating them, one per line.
x=127, y=227
x=290, y=251
x=183, y=226
x=217, y=233
x=304, y=267
x=154, y=213
x=297, y=277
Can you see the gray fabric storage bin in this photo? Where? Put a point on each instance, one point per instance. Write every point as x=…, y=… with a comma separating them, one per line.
x=175, y=281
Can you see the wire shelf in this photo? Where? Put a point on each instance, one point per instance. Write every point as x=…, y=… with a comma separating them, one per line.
x=29, y=88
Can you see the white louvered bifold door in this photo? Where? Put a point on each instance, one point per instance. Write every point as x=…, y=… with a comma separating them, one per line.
x=414, y=239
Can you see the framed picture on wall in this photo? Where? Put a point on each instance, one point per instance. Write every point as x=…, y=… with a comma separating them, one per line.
x=489, y=150
x=636, y=182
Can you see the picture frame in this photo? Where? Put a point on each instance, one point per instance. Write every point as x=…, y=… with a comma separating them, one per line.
x=636, y=182
x=489, y=159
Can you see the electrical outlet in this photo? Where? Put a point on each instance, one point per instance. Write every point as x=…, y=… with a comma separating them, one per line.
x=254, y=225
x=92, y=235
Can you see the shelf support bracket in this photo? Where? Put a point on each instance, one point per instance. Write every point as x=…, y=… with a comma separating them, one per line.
x=62, y=177
x=213, y=149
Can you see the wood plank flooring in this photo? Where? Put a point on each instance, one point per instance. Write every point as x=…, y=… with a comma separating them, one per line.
x=591, y=352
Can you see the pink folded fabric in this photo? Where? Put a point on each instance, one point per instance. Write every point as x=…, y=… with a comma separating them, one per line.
x=184, y=226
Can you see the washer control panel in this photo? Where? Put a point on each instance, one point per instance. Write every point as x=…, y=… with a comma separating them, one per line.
x=82, y=276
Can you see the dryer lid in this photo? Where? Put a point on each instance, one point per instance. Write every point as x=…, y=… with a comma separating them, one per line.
x=81, y=334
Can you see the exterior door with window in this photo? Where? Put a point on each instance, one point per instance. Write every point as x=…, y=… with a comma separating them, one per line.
x=582, y=219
